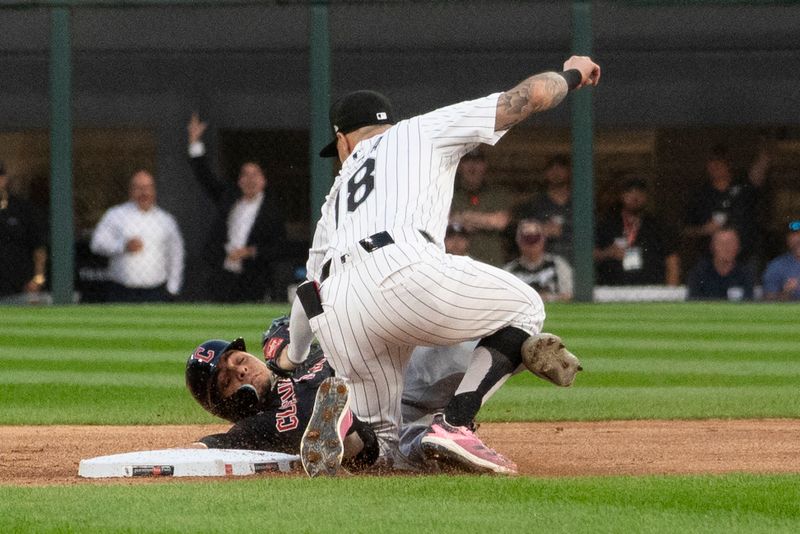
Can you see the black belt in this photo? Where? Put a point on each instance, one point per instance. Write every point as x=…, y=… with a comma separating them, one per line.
x=370, y=244
x=376, y=241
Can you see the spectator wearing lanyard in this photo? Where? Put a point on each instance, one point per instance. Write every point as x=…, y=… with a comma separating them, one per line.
x=633, y=247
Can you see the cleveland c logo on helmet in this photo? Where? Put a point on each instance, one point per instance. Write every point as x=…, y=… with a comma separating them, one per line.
x=203, y=354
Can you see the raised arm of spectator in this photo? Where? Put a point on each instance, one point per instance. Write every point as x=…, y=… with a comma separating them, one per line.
x=214, y=185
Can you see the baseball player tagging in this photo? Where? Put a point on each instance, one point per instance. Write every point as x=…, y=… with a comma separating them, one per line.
x=385, y=282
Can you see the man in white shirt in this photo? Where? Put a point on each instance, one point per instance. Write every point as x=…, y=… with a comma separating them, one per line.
x=143, y=244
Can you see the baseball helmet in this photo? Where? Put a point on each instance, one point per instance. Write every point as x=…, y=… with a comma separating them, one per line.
x=201, y=380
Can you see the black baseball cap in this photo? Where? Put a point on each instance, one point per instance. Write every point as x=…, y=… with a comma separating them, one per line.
x=356, y=110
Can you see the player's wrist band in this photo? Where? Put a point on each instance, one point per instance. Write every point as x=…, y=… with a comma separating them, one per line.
x=573, y=77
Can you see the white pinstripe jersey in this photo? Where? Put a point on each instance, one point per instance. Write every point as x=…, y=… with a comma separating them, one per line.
x=401, y=181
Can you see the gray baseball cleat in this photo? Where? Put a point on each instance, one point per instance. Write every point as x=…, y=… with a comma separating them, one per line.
x=546, y=356
x=322, y=446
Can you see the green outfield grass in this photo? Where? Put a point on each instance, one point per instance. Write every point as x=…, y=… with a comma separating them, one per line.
x=733, y=503
x=124, y=364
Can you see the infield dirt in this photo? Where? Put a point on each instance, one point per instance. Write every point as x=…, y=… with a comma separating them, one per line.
x=43, y=455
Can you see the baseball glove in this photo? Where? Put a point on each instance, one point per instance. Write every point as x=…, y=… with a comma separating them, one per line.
x=547, y=357
x=275, y=338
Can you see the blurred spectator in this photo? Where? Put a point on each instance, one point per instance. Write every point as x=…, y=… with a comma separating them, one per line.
x=782, y=276
x=724, y=201
x=482, y=209
x=550, y=275
x=248, y=238
x=143, y=244
x=632, y=247
x=456, y=240
x=22, y=247
x=554, y=208
x=721, y=277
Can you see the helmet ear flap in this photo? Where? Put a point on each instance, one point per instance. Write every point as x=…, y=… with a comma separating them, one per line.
x=244, y=403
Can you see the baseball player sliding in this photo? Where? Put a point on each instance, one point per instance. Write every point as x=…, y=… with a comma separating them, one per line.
x=380, y=282
x=272, y=413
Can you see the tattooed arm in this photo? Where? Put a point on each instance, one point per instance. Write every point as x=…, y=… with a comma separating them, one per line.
x=537, y=93
x=541, y=92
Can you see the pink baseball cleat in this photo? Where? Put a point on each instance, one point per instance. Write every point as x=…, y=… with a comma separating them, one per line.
x=459, y=446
